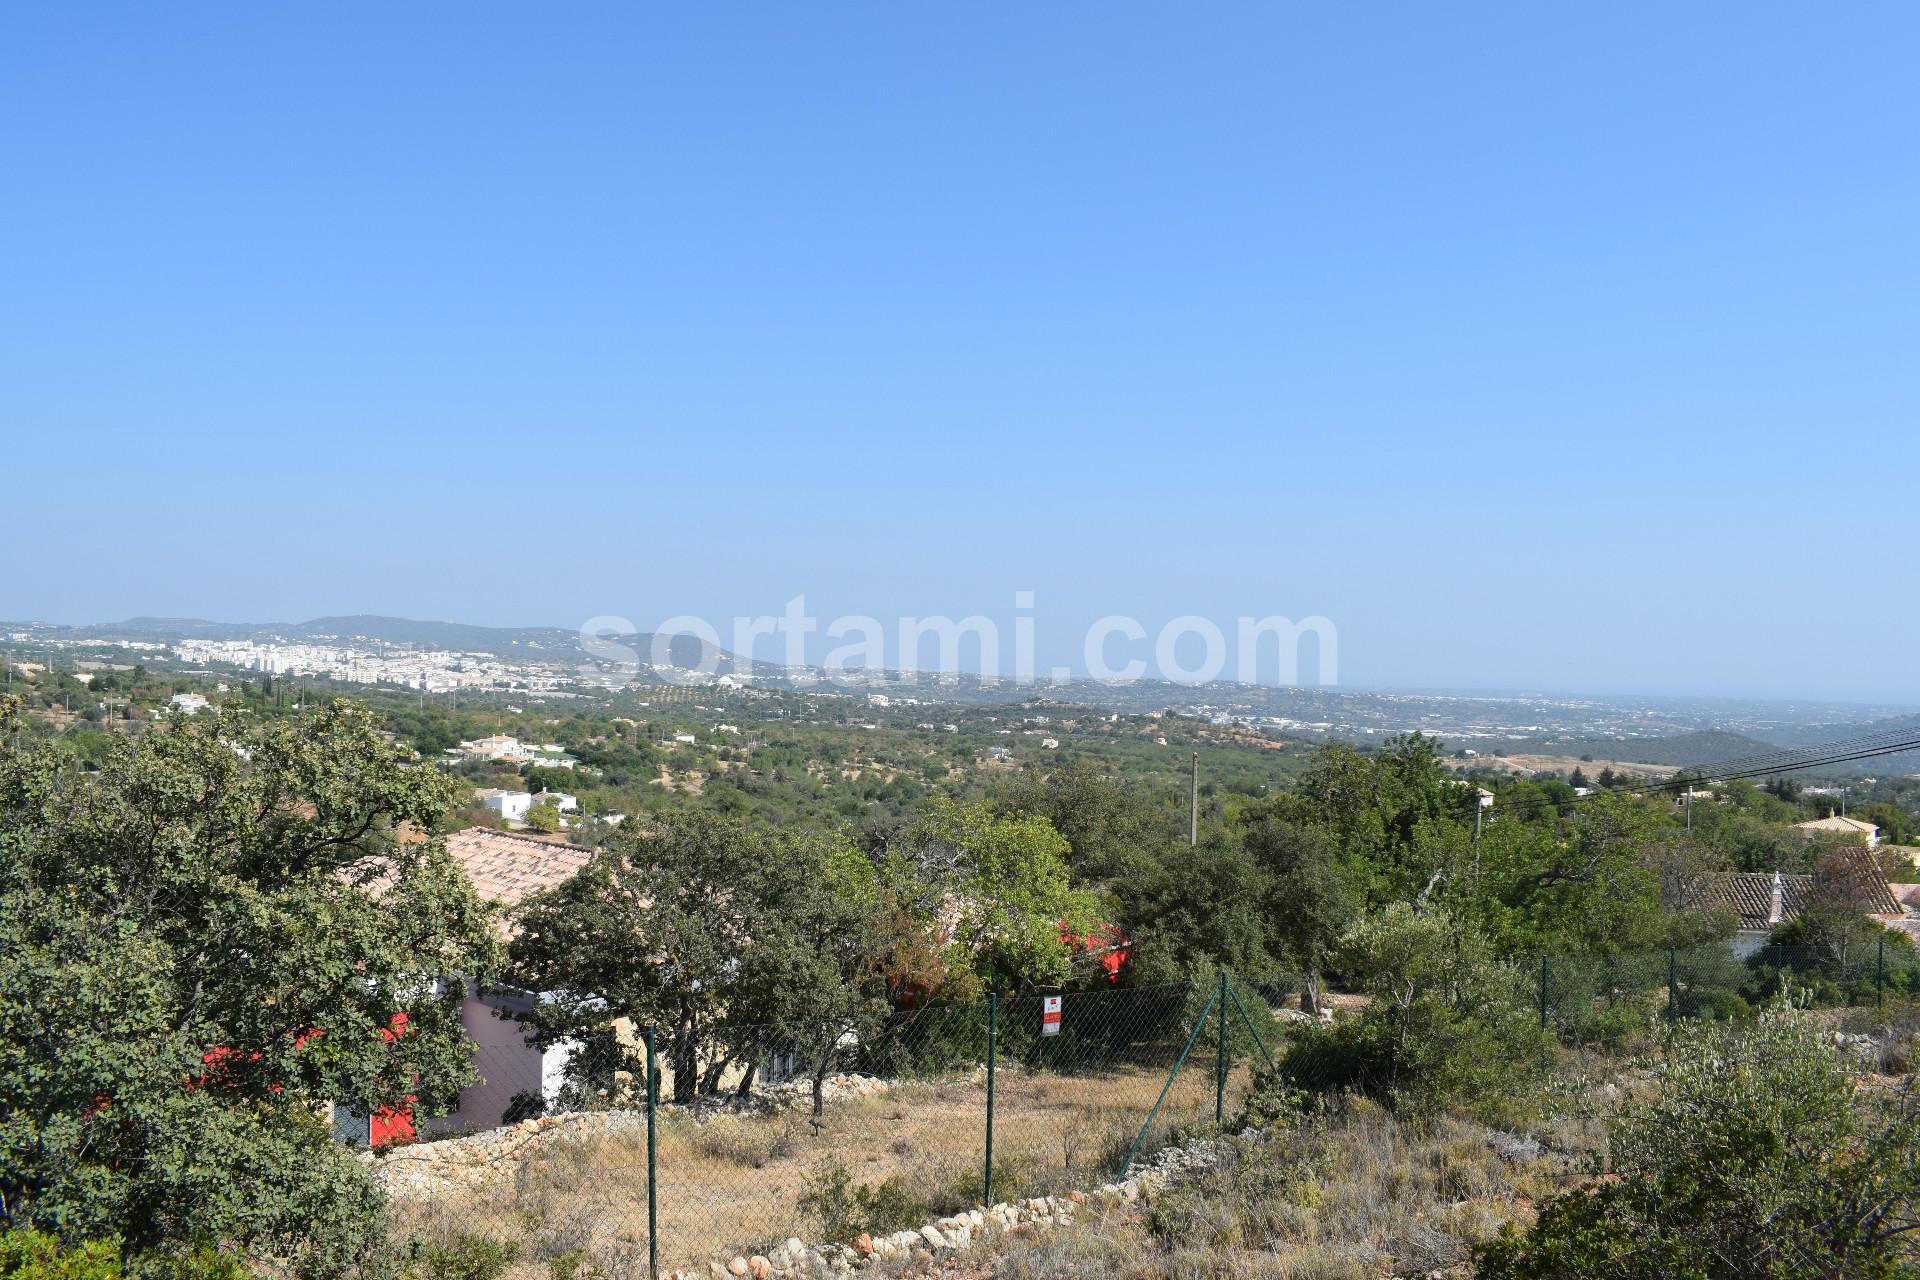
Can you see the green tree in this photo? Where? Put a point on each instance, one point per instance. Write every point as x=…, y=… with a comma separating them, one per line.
x=1311, y=893
x=810, y=980
x=545, y=817
x=1588, y=883
x=1196, y=910
x=1111, y=831
x=1396, y=813
x=1003, y=880
x=199, y=942
x=649, y=929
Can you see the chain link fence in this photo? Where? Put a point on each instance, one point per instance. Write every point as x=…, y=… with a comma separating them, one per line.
x=1601, y=998
x=948, y=1108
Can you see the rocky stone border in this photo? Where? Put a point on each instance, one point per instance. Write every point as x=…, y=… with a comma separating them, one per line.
x=961, y=1231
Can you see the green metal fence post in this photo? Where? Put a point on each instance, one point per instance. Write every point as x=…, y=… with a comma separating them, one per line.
x=1220, y=1063
x=1543, y=991
x=1880, y=971
x=993, y=1030
x=1173, y=1075
x=653, y=1165
x=1247, y=1022
x=1673, y=984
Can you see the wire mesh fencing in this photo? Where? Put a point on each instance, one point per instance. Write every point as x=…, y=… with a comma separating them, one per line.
x=1598, y=998
x=941, y=1110
x=551, y=1193
x=708, y=1144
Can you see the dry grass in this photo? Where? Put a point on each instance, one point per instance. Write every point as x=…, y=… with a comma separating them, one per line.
x=1358, y=1194
x=732, y=1183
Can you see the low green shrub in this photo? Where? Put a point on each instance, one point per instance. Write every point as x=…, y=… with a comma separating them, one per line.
x=1447, y=1024
x=28, y=1254
x=468, y=1257
x=844, y=1210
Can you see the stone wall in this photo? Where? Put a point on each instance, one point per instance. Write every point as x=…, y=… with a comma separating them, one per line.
x=958, y=1233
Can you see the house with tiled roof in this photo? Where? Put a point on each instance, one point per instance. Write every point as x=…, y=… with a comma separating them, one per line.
x=506, y=869
x=1760, y=901
x=1835, y=825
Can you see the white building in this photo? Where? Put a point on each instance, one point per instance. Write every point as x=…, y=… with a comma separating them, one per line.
x=1837, y=825
x=511, y=805
x=191, y=703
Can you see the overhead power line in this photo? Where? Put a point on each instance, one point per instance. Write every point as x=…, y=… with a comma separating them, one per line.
x=1791, y=760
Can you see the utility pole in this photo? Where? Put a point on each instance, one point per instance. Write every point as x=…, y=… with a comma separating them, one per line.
x=1689, y=804
x=1193, y=806
x=1478, y=810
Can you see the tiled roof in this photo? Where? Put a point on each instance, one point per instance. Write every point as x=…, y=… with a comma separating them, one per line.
x=1749, y=895
x=1862, y=872
x=510, y=867
x=1835, y=822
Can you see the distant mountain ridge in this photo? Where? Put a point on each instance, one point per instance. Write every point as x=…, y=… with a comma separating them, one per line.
x=558, y=644
x=1676, y=750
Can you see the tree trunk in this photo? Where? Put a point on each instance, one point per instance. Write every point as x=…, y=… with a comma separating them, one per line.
x=820, y=1083
x=711, y=1084
x=686, y=1065
x=1310, y=992
x=746, y=1080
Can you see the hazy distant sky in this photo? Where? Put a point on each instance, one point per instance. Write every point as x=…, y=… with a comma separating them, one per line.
x=1536, y=345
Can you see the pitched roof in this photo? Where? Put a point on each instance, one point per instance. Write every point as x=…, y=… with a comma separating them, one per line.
x=1749, y=895
x=510, y=867
x=1861, y=871
x=1837, y=823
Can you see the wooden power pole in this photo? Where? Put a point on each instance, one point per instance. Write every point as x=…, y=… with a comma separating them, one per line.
x=1193, y=806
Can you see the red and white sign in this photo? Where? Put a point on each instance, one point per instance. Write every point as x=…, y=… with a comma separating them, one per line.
x=1050, y=1015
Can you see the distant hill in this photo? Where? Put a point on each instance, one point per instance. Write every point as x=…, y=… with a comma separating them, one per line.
x=1679, y=750
x=165, y=629
x=435, y=635
x=1902, y=762
x=557, y=644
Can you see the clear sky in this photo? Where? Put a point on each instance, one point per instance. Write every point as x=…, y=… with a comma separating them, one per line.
x=1543, y=346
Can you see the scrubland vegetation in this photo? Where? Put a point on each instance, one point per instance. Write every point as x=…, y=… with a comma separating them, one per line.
x=217, y=924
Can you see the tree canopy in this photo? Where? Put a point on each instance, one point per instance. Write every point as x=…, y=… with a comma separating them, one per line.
x=200, y=940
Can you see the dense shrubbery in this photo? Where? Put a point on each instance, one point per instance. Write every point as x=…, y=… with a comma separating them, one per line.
x=1759, y=1157
x=1446, y=1023
x=191, y=954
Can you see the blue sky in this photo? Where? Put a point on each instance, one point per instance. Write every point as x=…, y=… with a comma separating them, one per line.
x=1537, y=347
